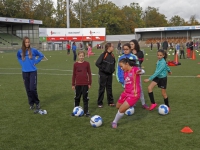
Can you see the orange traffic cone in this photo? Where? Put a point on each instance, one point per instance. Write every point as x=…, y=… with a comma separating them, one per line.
x=186, y=130
x=193, y=55
x=176, y=58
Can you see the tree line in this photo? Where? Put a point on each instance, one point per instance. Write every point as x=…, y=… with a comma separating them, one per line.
x=91, y=13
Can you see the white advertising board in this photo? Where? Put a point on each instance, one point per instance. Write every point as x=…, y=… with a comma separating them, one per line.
x=74, y=31
x=42, y=32
x=55, y=32
x=73, y=34
x=94, y=31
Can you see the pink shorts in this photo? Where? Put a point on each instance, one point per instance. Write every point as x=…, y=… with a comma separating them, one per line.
x=130, y=99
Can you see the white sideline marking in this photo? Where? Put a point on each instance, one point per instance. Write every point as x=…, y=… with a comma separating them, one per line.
x=71, y=74
x=45, y=74
x=97, y=74
x=10, y=68
x=38, y=73
x=38, y=69
x=54, y=69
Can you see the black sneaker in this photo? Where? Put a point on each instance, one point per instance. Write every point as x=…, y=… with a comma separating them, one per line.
x=32, y=107
x=38, y=106
x=87, y=115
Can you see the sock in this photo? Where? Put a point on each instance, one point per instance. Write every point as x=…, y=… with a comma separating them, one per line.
x=151, y=98
x=166, y=101
x=142, y=98
x=118, y=117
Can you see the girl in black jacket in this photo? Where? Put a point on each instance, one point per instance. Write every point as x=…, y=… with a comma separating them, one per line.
x=106, y=65
x=135, y=47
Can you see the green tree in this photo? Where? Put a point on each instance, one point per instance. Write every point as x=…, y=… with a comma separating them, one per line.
x=18, y=8
x=153, y=18
x=176, y=21
x=100, y=13
x=85, y=11
x=132, y=17
x=61, y=17
x=109, y=16
x=27, y=8
x=193, y=21
x=45, y=11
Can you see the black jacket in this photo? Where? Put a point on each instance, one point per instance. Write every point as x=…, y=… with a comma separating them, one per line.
x=140, y=56
x=106, y=63
x=191, y=45
x=165, y=45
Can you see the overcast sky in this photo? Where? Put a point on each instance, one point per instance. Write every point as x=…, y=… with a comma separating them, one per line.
x=183, y=8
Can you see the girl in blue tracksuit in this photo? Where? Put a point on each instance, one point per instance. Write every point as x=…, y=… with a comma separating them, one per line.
x=127, y=54
x=159, y=78
x=27, y=59
x=135, y=48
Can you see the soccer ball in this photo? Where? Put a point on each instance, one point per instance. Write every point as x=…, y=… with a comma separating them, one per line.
x=78, y=111
x=163, y=109
x=96, y=121
x=130, y=111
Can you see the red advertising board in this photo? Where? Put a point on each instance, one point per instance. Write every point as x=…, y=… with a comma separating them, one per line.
x=73, y=34
x=77, y=38
x=98, y=38
x=74, y=38
x=87, y=38
x=56, y=38
x=94, y=38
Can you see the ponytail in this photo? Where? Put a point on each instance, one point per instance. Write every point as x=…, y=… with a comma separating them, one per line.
x=107, y=46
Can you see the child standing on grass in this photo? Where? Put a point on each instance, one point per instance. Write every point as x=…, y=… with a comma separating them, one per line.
x=106, y=65
x=74, y=50
x=90, y=50
x=132, y=89
x=135, y=47
x=159, y=78
x=68, y=48
x=81, y=81
x=177, y=48
x=127, y=53
x=27, y=59
x=182, y=50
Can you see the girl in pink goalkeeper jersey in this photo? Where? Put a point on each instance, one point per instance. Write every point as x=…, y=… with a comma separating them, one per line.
x=132, y=90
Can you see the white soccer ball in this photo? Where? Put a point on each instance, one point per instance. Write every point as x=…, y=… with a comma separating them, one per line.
x=78, y=111
x=96, y=121
x=45, y=112
x=163, y=109
x=130, y=111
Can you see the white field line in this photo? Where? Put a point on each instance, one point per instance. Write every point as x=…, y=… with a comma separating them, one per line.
x=37, y=73
x=56, y=74
x=38, y=69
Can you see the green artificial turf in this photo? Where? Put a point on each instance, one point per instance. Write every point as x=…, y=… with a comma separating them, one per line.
x=21, y=129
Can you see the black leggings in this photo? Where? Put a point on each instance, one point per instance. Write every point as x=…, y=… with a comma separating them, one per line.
x=30, y=83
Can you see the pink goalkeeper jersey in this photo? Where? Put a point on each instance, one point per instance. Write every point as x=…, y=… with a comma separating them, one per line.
x=132, y=82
